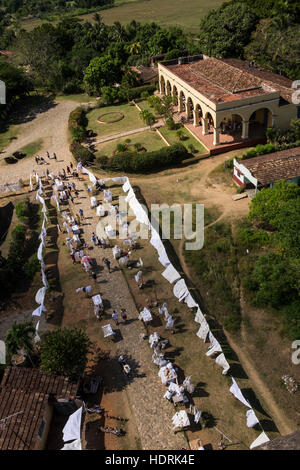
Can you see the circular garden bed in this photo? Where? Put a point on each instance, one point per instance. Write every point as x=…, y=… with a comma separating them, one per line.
x=109, y=118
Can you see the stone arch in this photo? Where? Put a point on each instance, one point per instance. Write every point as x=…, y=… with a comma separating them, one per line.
x=198, y=115
x=189, y=107
x=168, y=88
x=175, y=95
x=162, y=85
x=182, y=101
x=210, y=119
x=259, y=121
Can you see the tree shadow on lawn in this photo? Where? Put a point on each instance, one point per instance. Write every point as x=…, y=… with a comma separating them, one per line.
x=29, y=107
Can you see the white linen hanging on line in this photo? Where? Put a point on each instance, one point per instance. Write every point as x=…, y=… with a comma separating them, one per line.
x=38, y=311
x=171, y=274
x=181, y=419
x=36, y=338
x=163, y=258
x=199, y=317
x=214, y=345
x=44, y=279
x=75, y=445
x=262, y=438
x=40, y=295
x=221, y=361
x=235, y=390
x=180, y=290
x=251, y=418
x=203, y=330
x=126, y=186
x=190, y=301
x=73, y=426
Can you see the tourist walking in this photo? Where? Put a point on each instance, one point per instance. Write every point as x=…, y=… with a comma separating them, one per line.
x=68, y=170
x=124, y=315
x=94, y=239
x=81, y=213
x=71, y=198
x=115, y=317
x=54, y=156
x=37, y=159
x=48, y=155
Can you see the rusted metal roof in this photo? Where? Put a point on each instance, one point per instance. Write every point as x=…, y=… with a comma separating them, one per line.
x=275, y=166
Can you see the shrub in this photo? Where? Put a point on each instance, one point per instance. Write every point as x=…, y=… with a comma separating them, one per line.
x=78, y=133
x=135, y=93
x=121, y=148
x=31, y=266
x=228, y=164
x=133, y=162
x=81, y=153
x=171, y=124
x=22, y=209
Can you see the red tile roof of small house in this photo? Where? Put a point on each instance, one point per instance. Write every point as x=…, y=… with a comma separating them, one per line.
x=29, y=391
x=275, y=166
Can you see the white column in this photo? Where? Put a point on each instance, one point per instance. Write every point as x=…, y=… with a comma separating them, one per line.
x=216, y=136
x=160, y=90
x=273, y=120
x=196, y=118
x=245, y=132
x=204, y=126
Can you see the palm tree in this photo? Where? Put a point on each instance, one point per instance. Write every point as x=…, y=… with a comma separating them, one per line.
x=147, y=117
x=20, y=336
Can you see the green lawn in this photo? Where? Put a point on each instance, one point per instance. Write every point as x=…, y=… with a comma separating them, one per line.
x=8, y=136
x=131, y=120
x=143, y=104
x=173, y=139
x=148, y=139
x=80, y=98
x=30, y=149
x=186, y=14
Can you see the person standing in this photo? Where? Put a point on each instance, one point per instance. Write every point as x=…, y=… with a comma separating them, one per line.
x=71, y=198
x=107, y=263
x=37, y=159
x=48, y=155
x=68, y=170
x=81, y=213
x=54, y=156
x=76, y=193
x=94, y=276
x=124, y=315
x=94, y=239
x=115, y=317
x=73, y=258
x=71, y=165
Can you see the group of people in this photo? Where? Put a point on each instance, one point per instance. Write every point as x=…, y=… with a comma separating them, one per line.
x=40, y=160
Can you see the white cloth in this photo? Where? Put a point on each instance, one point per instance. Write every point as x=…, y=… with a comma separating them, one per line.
x=40, y=250
x=97, y=299
x=44, y=279
x=203, y=330
x=116, y=251
x=107, y=330
x=262, y=438
x=2, y=352
x=214, y=345
x=138, y=276
x=75, y=445
x=221, y=361
x=251, y=418
x=180, y=290
x=40, y=295
x=73, y=426
x=237, y=393
x=100, y=211
x=199, y=317
x=181, y=419
x=107, y=195
x=145, y=315
x=163, y=258
x=170, y=322
x=38, y=311
x=110, y=232
x=171, y=274
x=93, y=201
x=190, y=301
x=171, y=373
x=126, y=186
x=30, y=182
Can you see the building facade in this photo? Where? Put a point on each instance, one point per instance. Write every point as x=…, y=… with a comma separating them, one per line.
x=227, y=95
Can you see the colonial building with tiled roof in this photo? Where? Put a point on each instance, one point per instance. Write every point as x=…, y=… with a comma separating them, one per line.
x=228, y=96
x=27, y=397
x=265, y=170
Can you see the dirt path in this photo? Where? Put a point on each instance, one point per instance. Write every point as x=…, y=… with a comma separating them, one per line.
x=51, y=126
x=153, y=414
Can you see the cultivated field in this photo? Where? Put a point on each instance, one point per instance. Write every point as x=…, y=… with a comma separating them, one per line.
x=164, y=12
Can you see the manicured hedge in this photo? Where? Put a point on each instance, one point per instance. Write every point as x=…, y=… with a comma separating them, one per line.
x=134, y=162
x=135, y=93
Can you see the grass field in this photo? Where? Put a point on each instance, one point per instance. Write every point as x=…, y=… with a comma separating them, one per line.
x=166, y=13
x=148, y=139
x=131, y=120
x=8, y=136
x=189, y=139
